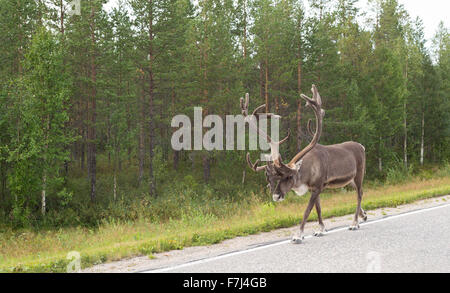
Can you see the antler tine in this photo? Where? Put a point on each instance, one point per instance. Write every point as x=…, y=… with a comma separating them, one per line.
x=309, y=128
x=309, y=101
x=273, y=145
x=278, y=161
x=255, y=113
x=254, y=166
x=316, y=100
x=316, y=104
x=244, y=105
x=286, y=138
x=244, y=108
x=284, y=168
x=241, y=103
x=267, y=115
x=316, y=95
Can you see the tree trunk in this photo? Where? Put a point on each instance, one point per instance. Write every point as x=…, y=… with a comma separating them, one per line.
x=267, y=87
x=299, y=89
x=119, y=159
x=205, y=158
x=115, y=184
x=299, y=126
x=176, y=158
x=128, y=121
x=176, y=154
x=2, y=180
x=3, y=171
x=83, y=147
x=44, y=176
x=43, y=194
x=141, y=135
x=405, y=140
x=405, y=128
x=380, y=160
x=422, y=139
x=163, y=135
x=244, y=45
x=108, y=130
x=152, y=187
x=277, y=104
x=92, y=163
x=61, y=17
x=261, y=81
x=206, y=168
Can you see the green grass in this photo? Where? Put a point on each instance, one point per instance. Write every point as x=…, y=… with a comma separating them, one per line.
x=46, y=251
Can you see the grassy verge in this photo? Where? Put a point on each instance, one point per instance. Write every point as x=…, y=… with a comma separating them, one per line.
x=47, y=251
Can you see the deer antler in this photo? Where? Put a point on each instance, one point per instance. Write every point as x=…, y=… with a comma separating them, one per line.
x=316, y=104
x=273, y=144
x=255, y=166
x=309, y=128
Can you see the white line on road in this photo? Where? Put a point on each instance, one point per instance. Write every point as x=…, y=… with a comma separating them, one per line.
x=206, y=260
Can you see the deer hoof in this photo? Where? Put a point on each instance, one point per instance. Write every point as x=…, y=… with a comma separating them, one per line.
x=363, y=215
x=297, y=239
x=320, y=233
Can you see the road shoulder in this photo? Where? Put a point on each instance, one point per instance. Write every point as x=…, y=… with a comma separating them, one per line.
x=188, y=254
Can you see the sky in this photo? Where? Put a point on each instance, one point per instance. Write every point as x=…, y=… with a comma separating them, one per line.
x=430, y=11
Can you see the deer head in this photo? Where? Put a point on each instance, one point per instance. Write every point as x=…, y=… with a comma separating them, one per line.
x=283, y=177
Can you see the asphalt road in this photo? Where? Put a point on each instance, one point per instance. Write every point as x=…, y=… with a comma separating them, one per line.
x=417, y=241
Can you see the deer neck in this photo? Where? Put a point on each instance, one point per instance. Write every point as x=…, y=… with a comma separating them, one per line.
x=300, y=188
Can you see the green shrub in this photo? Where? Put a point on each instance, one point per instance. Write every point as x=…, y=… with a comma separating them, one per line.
x=397, y=175
x=183, y=197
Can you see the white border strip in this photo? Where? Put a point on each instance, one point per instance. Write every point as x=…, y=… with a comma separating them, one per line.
x=206, y=260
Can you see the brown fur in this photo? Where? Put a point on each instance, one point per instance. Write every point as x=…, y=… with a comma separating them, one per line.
x=333, y=166
x=316, y=167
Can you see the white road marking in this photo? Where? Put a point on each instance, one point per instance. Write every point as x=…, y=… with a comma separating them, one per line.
x=206, y=260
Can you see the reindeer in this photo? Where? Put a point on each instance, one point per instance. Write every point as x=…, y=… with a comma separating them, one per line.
x=314, y=168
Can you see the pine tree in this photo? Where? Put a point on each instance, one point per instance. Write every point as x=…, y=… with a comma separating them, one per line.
x=119, y=76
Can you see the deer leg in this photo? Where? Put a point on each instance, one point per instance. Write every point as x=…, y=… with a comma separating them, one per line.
x=319, y=215
x=298, y=238
x=363, y=214
x=359, y=211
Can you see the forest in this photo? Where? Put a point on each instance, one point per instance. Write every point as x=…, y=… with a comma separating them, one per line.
x=87, y=99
